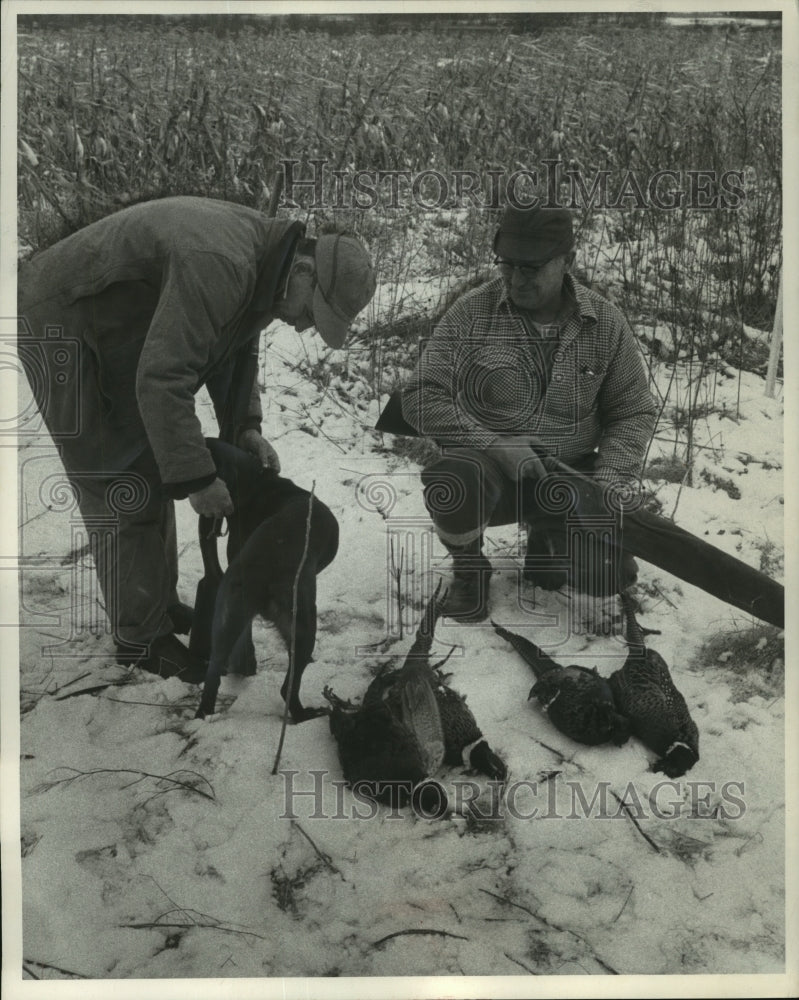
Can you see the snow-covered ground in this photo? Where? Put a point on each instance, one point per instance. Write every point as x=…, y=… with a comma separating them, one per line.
x=156, y=846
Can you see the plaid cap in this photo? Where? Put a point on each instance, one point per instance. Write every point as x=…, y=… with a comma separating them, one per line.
x=535, y=235
x=345, y=284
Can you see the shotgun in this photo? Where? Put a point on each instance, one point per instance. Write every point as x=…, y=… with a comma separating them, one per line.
x=209, y=528
x=660, y=542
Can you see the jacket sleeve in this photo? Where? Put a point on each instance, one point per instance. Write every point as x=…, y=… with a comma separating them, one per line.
x=430, y=399
x=627, y=413
x=201, y=294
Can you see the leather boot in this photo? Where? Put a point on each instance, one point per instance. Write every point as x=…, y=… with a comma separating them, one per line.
x=165, y=656
x=544, y=565
x=467, y=598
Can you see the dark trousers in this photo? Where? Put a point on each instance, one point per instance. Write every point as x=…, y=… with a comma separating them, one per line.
x=130, y=530
x=572, y=536
x=129, y=524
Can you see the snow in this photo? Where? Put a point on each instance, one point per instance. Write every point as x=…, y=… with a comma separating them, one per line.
x=156, y=846
x=129, y=875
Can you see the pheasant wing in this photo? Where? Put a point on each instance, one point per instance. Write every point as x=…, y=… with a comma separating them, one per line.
x=421, y=715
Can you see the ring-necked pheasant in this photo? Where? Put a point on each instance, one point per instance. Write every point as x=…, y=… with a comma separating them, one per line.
x=645, y=692
x=408, y=724
x=464, y=743
x=579, y=702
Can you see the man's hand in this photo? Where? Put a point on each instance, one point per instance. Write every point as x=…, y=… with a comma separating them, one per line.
x=251, y=441
x=212, y=501
x=624, y=493
x=516, y=458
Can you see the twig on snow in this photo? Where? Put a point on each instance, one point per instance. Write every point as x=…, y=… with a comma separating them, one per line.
x=396, y=572
x=205, y=919
x=624, y=905
x=322, y=855
x=418, y=930
x=46, y=965
x=665, y=598
x=176, y=782
x=93, y=689
x=321, y=430
x=553, y=926
x=177, y=906
x=521, y=965
x=154, y=925
x=605, y=966
x=509, y=902
x=176, y=705
x=74, y=680
x=637, y=825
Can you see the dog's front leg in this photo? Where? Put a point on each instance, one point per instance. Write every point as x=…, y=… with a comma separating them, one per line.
x=298, y=711
x=299, y=635
x=210, y=690
x=229, y=633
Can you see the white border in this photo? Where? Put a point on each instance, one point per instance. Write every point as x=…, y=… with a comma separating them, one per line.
x=511, y=986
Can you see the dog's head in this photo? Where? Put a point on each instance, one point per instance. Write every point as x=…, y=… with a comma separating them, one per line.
x=241, y=472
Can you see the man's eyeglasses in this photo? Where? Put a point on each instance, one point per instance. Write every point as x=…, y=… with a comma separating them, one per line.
x=526, y=270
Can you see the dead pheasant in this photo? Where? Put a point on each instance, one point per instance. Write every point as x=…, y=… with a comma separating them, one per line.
x=578, y=701
x=464, y=743
x=408, y=724
x=644, y=691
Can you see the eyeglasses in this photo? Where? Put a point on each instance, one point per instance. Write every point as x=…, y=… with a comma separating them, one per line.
x=525, y=270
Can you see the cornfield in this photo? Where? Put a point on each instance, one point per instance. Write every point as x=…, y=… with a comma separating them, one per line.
x=114, y=110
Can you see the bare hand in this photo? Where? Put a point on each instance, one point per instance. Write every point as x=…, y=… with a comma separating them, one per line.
x=251, y=441
x=212, y=501
x=516, y=457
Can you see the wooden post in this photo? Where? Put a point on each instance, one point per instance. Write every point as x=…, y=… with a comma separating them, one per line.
x=776, y=344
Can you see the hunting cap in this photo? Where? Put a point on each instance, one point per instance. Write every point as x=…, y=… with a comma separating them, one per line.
x=345, y=283
x=534, y=234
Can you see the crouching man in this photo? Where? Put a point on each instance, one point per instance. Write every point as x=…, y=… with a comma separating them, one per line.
x=528, y=365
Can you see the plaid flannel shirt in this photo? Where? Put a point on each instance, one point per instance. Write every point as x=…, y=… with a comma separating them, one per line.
x=483, y=375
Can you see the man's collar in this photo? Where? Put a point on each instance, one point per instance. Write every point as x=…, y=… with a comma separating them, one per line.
x=582, y=297
x=273, y=271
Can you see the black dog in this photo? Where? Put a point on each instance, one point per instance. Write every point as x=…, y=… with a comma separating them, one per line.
x=267, y=540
